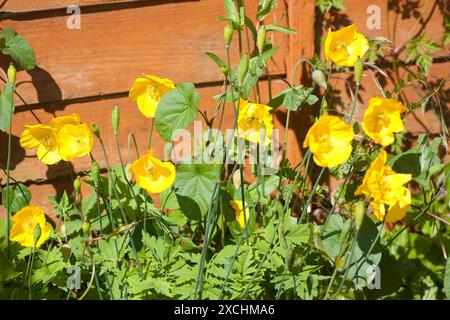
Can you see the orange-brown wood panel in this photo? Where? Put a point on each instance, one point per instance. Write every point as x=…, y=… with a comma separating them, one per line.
x=300, y=46
x=113, y=47
x=16, y=6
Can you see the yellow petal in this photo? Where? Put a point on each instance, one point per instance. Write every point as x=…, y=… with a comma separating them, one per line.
x=25, y=222
x=74, y=141
x=48, y=156
x=59, y=122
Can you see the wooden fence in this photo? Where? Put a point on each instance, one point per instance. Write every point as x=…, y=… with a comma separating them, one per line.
x=89, y=70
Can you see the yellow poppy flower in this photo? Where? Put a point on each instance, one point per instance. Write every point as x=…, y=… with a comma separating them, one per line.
x=74, y=141
x=382, y=119
x=148, y=91
x=253, y=118
x=239, y=211
x=59, y=122
x=152, y=174
x=25, y=222
x=345, y=46
x=42, y=137
x=330, y=141
x=385, y=188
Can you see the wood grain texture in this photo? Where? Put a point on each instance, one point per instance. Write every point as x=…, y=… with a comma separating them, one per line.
x=112, y=48
x=300, y=46
x=16, y=6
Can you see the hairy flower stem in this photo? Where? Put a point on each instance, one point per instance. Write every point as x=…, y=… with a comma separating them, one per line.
x=208, y=232
x=124, y=217
x=8, y=168
x=355, y=103
x=236, y=115
x=122, y=166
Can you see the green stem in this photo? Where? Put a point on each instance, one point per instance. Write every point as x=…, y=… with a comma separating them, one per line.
x=8, y=167
x=355, y=103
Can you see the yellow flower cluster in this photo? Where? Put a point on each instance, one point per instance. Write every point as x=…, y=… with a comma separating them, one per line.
x=62, y=138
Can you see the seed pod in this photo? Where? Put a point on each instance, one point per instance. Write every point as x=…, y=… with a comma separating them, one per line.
x=95, y=170
x=360, y=213
x=86, y=227
x=359, y=68
x=77, y=185
x=115, y=119
x=261, y=39
x=319, y=78
x=228, y=34
x=66, y=251
x=95, y=130
x=243, y=68
x=37, y=233
x=12, y=74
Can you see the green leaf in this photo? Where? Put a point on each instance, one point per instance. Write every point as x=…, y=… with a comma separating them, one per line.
x=176, y=110
x=19, y=197
x=407, y=162
x=6, y=105
x=296, y=97
x=285, y=30
x=18, y=48
x=264, y=8
x=297, y=233
x=195, y=186
x=231, y=12
x=447, y=280
x=363, y=260
x=220, y=63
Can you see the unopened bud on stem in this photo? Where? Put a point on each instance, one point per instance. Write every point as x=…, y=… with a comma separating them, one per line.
x=319, y=78
x=359, y=68
x=228, y=34
x=261, y=39
x=115, y=119
x=12, y=74
x=243, y=68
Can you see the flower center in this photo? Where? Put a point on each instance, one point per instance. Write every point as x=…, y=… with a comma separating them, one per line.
x=46, y=141
x=252, y=122
x=152, y=92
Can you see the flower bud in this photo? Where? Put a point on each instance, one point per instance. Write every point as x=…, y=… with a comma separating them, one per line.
x=66, y=251
x=37, y=234
x=261, y=39
x=95, y=171
x=12, y=74
x=77, y=185
x=319, y=78
x=95, y=130
x=360, y=213
x=115, y=119
x=86, y=226
x=243, y=68
x=228, y=34
x=359, y=68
